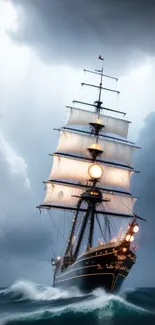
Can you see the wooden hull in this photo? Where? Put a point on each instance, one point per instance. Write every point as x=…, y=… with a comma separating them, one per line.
x=100, y=268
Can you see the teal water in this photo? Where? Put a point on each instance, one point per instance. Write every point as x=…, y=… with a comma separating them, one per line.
x=28, y=303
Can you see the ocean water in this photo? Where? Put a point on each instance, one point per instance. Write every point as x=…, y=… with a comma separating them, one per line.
x=28, y=303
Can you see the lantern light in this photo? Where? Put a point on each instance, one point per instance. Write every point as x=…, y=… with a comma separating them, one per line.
x=135, y=228
x=95, y=171
x=98, y=121
x=129, y=238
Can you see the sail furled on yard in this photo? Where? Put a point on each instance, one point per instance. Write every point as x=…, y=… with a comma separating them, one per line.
x=77, y=170
x=68, y=196
x=111, y=124
x=112, y=149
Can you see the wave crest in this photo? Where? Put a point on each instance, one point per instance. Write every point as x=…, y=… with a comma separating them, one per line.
x=30, y=303
x=26, y=290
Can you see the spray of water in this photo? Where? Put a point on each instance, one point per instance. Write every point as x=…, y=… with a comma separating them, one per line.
x=49, y=302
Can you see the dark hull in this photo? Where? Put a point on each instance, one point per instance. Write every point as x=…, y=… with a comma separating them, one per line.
x=102, y=268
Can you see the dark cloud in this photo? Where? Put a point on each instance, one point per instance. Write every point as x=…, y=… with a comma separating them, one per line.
x=27, y=238
x=68, y=31
x=22, y=234
x=144, y=186
x=29, y=116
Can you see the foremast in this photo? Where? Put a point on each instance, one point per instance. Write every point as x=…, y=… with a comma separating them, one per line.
x=88, y=191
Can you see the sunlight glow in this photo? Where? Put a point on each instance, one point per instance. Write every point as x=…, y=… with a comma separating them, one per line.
x=142, y=72
x=14, y=58
x=8, y=16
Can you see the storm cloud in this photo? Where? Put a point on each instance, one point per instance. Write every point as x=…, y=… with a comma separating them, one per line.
x=71, y=32
x=143, y=185
x=22, y=234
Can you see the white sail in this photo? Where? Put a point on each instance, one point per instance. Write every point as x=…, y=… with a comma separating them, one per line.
x=63, y=195
x=119, y=203
x=112, y=124
x=75, y=169
x=113, y=150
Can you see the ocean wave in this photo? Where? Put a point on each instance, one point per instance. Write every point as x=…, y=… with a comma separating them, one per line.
x=26, y=290
x=144, y=297
x=28, y=303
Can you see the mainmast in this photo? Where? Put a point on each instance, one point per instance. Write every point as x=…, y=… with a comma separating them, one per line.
x=91, y=169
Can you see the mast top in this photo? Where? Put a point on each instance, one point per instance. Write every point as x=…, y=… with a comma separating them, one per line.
x=98, y=103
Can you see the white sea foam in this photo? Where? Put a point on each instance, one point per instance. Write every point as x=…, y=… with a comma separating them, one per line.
x=29, y=290
x=105, y=305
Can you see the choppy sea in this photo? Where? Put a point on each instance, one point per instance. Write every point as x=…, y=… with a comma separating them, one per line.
x=28, y=303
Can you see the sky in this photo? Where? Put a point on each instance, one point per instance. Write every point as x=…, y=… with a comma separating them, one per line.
x=44, y=45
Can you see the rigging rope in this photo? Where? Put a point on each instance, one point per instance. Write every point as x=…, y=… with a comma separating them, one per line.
x=57, y=227
x=60, y=233
x=124, y=204
x=100, y=228
x=49, y=235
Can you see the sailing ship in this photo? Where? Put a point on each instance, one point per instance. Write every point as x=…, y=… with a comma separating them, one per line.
x=90, y=178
